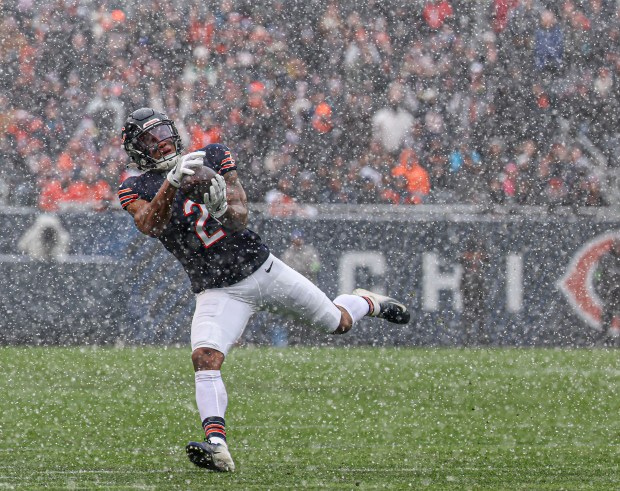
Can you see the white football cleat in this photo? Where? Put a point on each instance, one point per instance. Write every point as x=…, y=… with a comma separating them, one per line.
x=212, y=456
x=384, y=307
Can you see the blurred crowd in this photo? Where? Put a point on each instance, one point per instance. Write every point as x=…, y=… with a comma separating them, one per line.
x=503, y=101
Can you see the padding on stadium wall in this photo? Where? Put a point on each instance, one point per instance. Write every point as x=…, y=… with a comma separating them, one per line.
x=112, y=285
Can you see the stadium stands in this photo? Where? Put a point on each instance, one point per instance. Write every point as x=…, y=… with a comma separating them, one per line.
x=503, y=101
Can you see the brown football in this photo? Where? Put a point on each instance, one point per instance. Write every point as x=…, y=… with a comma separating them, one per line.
x=194, y=187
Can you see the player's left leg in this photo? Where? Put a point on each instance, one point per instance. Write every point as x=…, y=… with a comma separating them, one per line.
x=384, y=307
x=286, y=290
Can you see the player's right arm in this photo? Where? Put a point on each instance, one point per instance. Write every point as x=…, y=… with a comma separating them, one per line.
x=151, y=217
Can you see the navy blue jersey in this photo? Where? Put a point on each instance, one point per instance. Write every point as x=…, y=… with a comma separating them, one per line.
x=211, y=255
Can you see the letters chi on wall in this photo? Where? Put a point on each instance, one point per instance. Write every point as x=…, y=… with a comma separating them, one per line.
x=539, y=277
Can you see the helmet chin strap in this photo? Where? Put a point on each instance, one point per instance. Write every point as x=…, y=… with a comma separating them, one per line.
x=166, y=162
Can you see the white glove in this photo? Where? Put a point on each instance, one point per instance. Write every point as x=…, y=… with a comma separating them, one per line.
x=183, y=167
x=215, y=199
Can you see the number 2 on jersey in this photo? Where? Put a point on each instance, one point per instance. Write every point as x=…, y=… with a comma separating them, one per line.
x=208, y=239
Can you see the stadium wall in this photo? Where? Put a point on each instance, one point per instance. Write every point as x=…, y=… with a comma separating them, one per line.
x=116, y=286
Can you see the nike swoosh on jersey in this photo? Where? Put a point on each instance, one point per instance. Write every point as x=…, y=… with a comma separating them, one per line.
x=269, y=268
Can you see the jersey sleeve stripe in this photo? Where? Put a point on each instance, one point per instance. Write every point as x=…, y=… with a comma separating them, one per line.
x=127, y=192
x=126, y=200
x=125, y=205
x=129, y=196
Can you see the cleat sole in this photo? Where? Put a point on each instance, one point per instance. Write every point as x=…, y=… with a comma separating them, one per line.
x=199, y=456
x=204, y=457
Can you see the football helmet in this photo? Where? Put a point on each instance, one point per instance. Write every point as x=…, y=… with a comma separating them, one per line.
x=142, y=135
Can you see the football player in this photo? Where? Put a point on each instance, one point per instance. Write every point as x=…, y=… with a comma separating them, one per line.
x=231, y=270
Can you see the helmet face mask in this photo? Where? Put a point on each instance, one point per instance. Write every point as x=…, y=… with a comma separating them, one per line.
x=144, y=137
x=149, y=140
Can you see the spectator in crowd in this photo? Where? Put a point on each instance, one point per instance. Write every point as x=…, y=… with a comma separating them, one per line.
x=441, y=182
x=57, y=191
x=502, y=10
x=204, y=132
x=304, y=258
x=467, y=167
x=549, y=43
x=474, y=261
x=106, y=109
x=281, y=202
x=318, y=141
x=590, y=192
x=416, y=176
x=436, y=13
x=392, y=123
x=92, y=190
x=46, y=239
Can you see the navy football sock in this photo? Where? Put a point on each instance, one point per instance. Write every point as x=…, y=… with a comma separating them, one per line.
x=215, y=429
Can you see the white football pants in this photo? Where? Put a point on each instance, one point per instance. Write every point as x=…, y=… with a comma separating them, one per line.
x=222, y=313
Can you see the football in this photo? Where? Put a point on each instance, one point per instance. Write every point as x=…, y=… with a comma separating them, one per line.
x=194, y=187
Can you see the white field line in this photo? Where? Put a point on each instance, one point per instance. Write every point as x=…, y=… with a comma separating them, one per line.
x=182, y=471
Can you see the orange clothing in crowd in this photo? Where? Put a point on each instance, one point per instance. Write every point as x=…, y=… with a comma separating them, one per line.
x=436, y=13
x=418, y=180
x=284, y=206
x=201, y=31
x=391, y=196
x=200, y=137
x=322, y=118
x=502, y=10
x=53, y=195
x=65, y=162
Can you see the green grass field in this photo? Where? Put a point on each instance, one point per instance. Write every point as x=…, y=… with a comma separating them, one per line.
x=104, y=418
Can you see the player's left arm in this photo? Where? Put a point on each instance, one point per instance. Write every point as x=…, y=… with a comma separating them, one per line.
x=236, y=216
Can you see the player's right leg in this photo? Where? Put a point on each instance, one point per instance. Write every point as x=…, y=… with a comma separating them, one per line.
x=219, y=321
